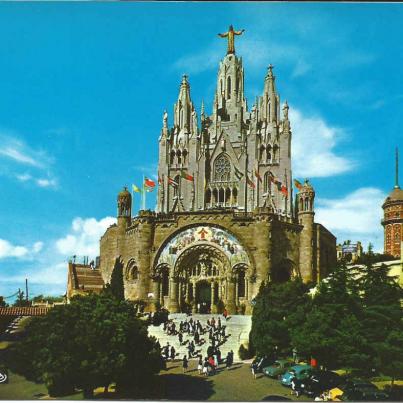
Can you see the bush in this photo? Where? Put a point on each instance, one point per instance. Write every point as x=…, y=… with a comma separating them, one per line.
x=160, y=316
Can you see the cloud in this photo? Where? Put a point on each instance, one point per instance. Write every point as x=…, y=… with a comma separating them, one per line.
x=313, y=147
x=15, y=153
x=8, y=250
x=356, y=216
x=84, y=237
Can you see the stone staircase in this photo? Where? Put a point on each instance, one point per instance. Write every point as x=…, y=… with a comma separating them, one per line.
x=237, y=326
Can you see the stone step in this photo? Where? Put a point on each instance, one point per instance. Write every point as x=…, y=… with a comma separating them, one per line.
x=237, y=327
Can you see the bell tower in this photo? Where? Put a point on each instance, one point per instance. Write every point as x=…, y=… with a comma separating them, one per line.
x=393, y=217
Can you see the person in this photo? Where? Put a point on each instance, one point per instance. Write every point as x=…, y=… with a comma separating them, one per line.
x=253, y=368
x=211, y=362
x=200, y=365
x=228, y=361
x=225, y=313
x=205, y=367
x=196, y=337
x=215, y=360
x=180, y=337
x=294, y=354
x=184, y=363
x=218, y=355
x=173, y=352
x=219, y=323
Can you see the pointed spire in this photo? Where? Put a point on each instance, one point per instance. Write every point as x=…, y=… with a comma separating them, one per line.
x=202, y=110
x=285, y=110
x=397, y=169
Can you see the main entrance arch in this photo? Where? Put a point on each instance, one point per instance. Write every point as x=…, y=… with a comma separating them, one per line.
x=209, y=270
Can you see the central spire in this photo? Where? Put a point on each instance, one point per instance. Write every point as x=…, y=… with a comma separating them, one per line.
x=231, y=38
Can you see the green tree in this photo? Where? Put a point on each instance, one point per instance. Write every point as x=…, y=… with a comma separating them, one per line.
x=278, y=307
x=21, y=300
x=91, y=342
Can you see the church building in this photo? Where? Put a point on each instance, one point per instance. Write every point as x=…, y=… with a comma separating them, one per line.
x=226, y=218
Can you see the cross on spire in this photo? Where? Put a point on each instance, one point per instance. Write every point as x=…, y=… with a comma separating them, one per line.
x=397, y=169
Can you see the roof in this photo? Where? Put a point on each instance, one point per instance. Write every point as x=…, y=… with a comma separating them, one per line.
x=395, y=195
x=24, y=311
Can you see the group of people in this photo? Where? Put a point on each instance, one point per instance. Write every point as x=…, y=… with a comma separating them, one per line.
x=215, y=330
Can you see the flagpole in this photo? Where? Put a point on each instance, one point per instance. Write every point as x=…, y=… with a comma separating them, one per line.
x=144, y=194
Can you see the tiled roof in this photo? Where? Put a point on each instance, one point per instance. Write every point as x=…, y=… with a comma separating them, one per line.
x=24, y=311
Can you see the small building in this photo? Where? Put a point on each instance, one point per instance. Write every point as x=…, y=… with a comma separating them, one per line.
x=349, y=252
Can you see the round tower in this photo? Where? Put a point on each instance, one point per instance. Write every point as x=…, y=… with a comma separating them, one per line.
x=124, y=207
x=305, y=205
x=393, y=219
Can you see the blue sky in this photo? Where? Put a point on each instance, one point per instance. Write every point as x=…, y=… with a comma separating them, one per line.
x=83, y=87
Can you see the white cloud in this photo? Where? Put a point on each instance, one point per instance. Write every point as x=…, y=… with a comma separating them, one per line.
x=24, y=177
x=84, y=238
x=8, y=250
x=313, y=147
x=356, y=216
x=44, y=183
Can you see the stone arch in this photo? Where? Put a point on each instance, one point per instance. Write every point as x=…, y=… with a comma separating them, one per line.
x=222, y=168
x=132, y=271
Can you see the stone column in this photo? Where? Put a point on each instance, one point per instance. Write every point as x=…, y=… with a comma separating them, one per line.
x=194, y=305
x=236, y=292
x=173, y=295
x=156, y=291
x=213, y=306
x=161, y=295
x=187, y=293
x=180, y=294
x=230, y=300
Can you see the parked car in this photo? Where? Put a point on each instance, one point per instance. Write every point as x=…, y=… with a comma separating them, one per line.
x=349, y=388
x=319, y=381
x=261, y=362
x=367, y=395
x=297, y=371
x=279, y=367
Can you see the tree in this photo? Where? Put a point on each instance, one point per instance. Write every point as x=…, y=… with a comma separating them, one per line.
x=279, y=306
x=91, y=342
x=21, y=300
x=3, y=303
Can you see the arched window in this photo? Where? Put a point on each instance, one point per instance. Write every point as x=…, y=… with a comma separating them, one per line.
x=132, y=271
x=227, y=196
x=172, y=157
x=275, y=153
x=184, y=155
x=222, y=168
x=234, y=196
x=221, y=89
x=221, y=196
x=261, y=152
x=228, y=87
x=215, y=196
x=241, y=284
x=268, y=154
x=208, y=197
x=179, y=155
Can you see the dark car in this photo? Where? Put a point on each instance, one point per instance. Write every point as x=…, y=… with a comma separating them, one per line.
x=320, y=381
x=261, y=362
x=364, y=395
x=358, y=384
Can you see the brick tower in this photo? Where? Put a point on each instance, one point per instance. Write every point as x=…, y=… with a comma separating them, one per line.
x=393, y=217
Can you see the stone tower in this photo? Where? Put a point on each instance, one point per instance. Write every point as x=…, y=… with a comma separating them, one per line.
x=393, y=217
x=124, y=204
x=305, y=206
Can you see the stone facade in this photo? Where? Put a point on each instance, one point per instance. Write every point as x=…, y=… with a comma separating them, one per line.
x=225, y=219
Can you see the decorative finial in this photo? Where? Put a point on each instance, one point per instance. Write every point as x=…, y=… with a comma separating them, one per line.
x=397, y=170
x=231, y=38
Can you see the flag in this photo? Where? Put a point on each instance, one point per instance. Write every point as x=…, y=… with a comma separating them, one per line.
x=136, y=189
x=298, y=184
x=238, y=173
x=271, y=176
x=172, y=182
x=149, y=183
x=249, y=182
x=279, y=184
x=258, y=176
x=284, y=190
x=186, y=176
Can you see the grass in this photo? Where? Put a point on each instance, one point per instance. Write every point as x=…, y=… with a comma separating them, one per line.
x=18, y=388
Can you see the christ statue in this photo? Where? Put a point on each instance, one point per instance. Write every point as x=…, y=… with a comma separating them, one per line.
x=231, y=38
